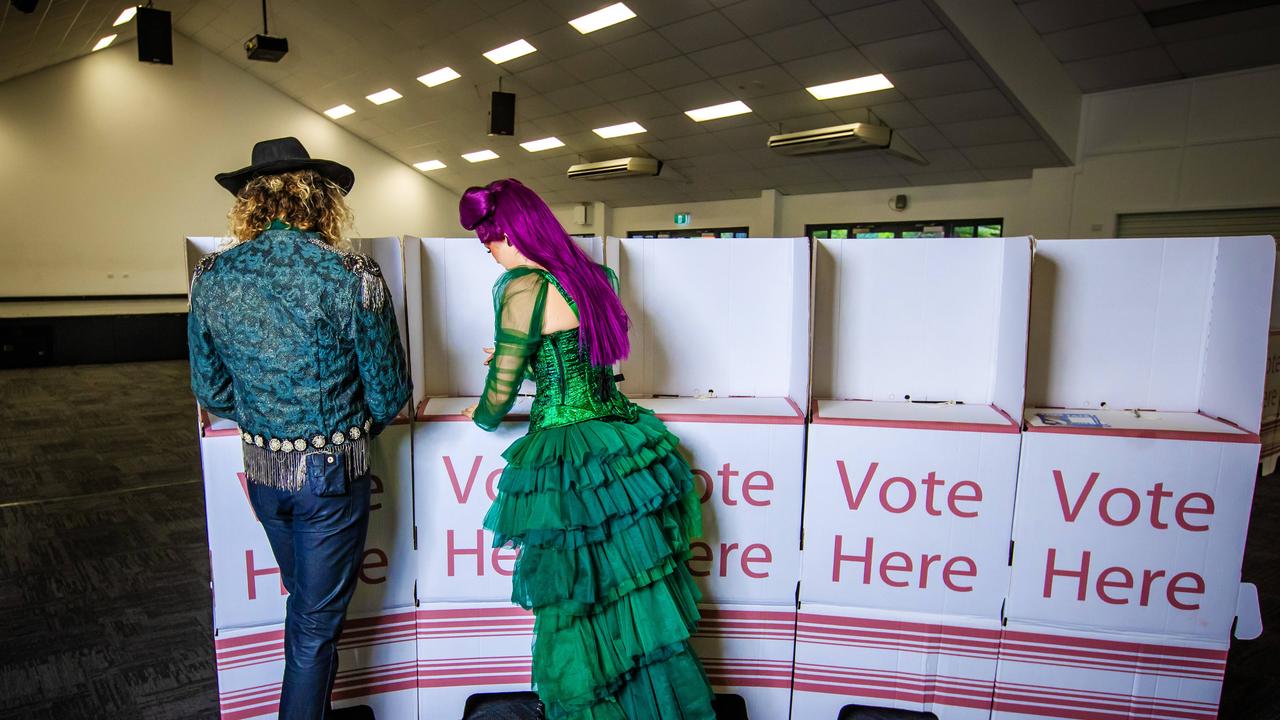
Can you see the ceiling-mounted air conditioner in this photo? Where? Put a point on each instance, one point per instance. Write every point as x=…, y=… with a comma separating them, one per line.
x=616, y=168
x=843, y=138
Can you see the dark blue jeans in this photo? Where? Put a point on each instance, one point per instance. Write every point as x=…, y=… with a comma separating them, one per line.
x=317, y=535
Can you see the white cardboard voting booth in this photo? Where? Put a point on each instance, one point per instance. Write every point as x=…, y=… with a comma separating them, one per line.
x=719, y=350
x=377, y=667
x=1145, y=390
x=919, y=356
x=461, y=578
x=248, y=596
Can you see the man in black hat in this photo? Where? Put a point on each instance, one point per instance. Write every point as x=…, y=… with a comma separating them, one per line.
x=294, y=338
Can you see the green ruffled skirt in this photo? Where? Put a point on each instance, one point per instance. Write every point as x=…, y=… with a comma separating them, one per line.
x=603, y=512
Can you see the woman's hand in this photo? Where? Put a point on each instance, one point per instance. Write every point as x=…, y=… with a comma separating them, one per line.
x=470, y=411
x=489, y=355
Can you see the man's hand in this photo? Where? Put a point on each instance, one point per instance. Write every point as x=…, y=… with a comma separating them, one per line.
x=470, y=411
x=489, y=355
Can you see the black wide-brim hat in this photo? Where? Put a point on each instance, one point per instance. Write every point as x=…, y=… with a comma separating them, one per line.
x=281, y=155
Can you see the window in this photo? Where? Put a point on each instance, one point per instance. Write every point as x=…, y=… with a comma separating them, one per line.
x=988, y=227
x=725, y=232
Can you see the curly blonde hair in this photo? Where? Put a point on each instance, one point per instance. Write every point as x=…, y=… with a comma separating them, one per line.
x=302, y=198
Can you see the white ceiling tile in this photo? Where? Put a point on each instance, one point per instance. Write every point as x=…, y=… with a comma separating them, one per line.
x=1228, y=52
x=574, y=97
x=939, y=160
x=1136, y=67
x=1034, y=153
x=696, y=95
x=620, y=86
x=534, y=107
x=899, y=115
x=886, y=20
x=1048, y=16
x=809, y=122
x=730, y=58
x=923, y=138
x=591, y=64
x=664, y=12
x=953, y=177
x=873, y=183
x=912, y=51
x=760, y=82
x=649, y=105
x=1224, y=23
x=670, y=127
x=830, y=67
x=798, y=41
x=694, y=145
x=559, y=41
x=644, y=48
x=941, y=79
x=747, y=137
x=964, y=106
x=853, y=165
x=812, y=188
x=670, y=73
x=546, y=77
x=528, y=18
x=754, y=17
x=1128, y=32
x=989, y=131
x=600, y=116
x=1013, y=173
x=786, y=105
x=702, y=31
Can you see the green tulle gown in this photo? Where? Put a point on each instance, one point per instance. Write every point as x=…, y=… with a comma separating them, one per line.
x=602, y=507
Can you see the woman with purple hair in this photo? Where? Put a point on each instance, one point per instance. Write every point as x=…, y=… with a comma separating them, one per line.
x=596, y=496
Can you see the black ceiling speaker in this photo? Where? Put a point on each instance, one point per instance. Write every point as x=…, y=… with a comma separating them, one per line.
x=26, y=6
x=502, y=113
x=155, y=36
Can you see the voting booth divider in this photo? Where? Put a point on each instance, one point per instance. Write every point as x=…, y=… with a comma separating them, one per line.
x=720, y=352
x=1145, y=387
x=919, y=357
x=967, y=551
x=744, y=440
x=248, y=594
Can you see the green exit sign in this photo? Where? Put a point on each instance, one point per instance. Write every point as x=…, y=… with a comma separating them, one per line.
x=683, y=218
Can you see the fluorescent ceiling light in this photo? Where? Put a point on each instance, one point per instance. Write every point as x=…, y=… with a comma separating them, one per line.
x=611, y=15
x=125, y=16
x=104, y=42
x=480, y=156
x=729, y=109
x=439, y=77
x=510, y=51
x=867, y=84
x=383, y=96
x=339, y=111
x=543, y=144
x=430, y=165
x=614, y=131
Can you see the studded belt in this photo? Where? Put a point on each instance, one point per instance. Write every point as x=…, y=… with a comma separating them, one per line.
x=281, y=462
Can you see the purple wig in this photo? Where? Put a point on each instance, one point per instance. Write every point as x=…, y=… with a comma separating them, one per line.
x=507, y=207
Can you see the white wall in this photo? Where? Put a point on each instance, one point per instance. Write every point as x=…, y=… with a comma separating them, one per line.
x=1204, y=143
x=108, y=163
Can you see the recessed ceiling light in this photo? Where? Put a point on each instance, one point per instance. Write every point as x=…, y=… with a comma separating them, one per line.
x=339, y=111
x=125, y=16
x=614, y=131
x=430, y=165
x=510, y=51
x=439, y=77
x=543, y=144
x=867, y=84
x=729, y=109
x=480, y=156
x=104, y=42
x=611, y=15
x=383, y=96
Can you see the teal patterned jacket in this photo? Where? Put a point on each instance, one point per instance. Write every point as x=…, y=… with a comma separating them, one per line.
x=297, y=342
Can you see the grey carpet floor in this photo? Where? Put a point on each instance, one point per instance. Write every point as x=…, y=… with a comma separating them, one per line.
x=104, y=573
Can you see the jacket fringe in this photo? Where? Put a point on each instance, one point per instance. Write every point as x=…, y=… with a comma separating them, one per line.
x=288, y=471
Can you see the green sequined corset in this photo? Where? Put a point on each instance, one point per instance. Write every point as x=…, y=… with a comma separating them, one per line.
x=570, y=388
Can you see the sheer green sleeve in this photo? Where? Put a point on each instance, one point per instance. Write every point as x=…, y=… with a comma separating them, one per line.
x=518, y=300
